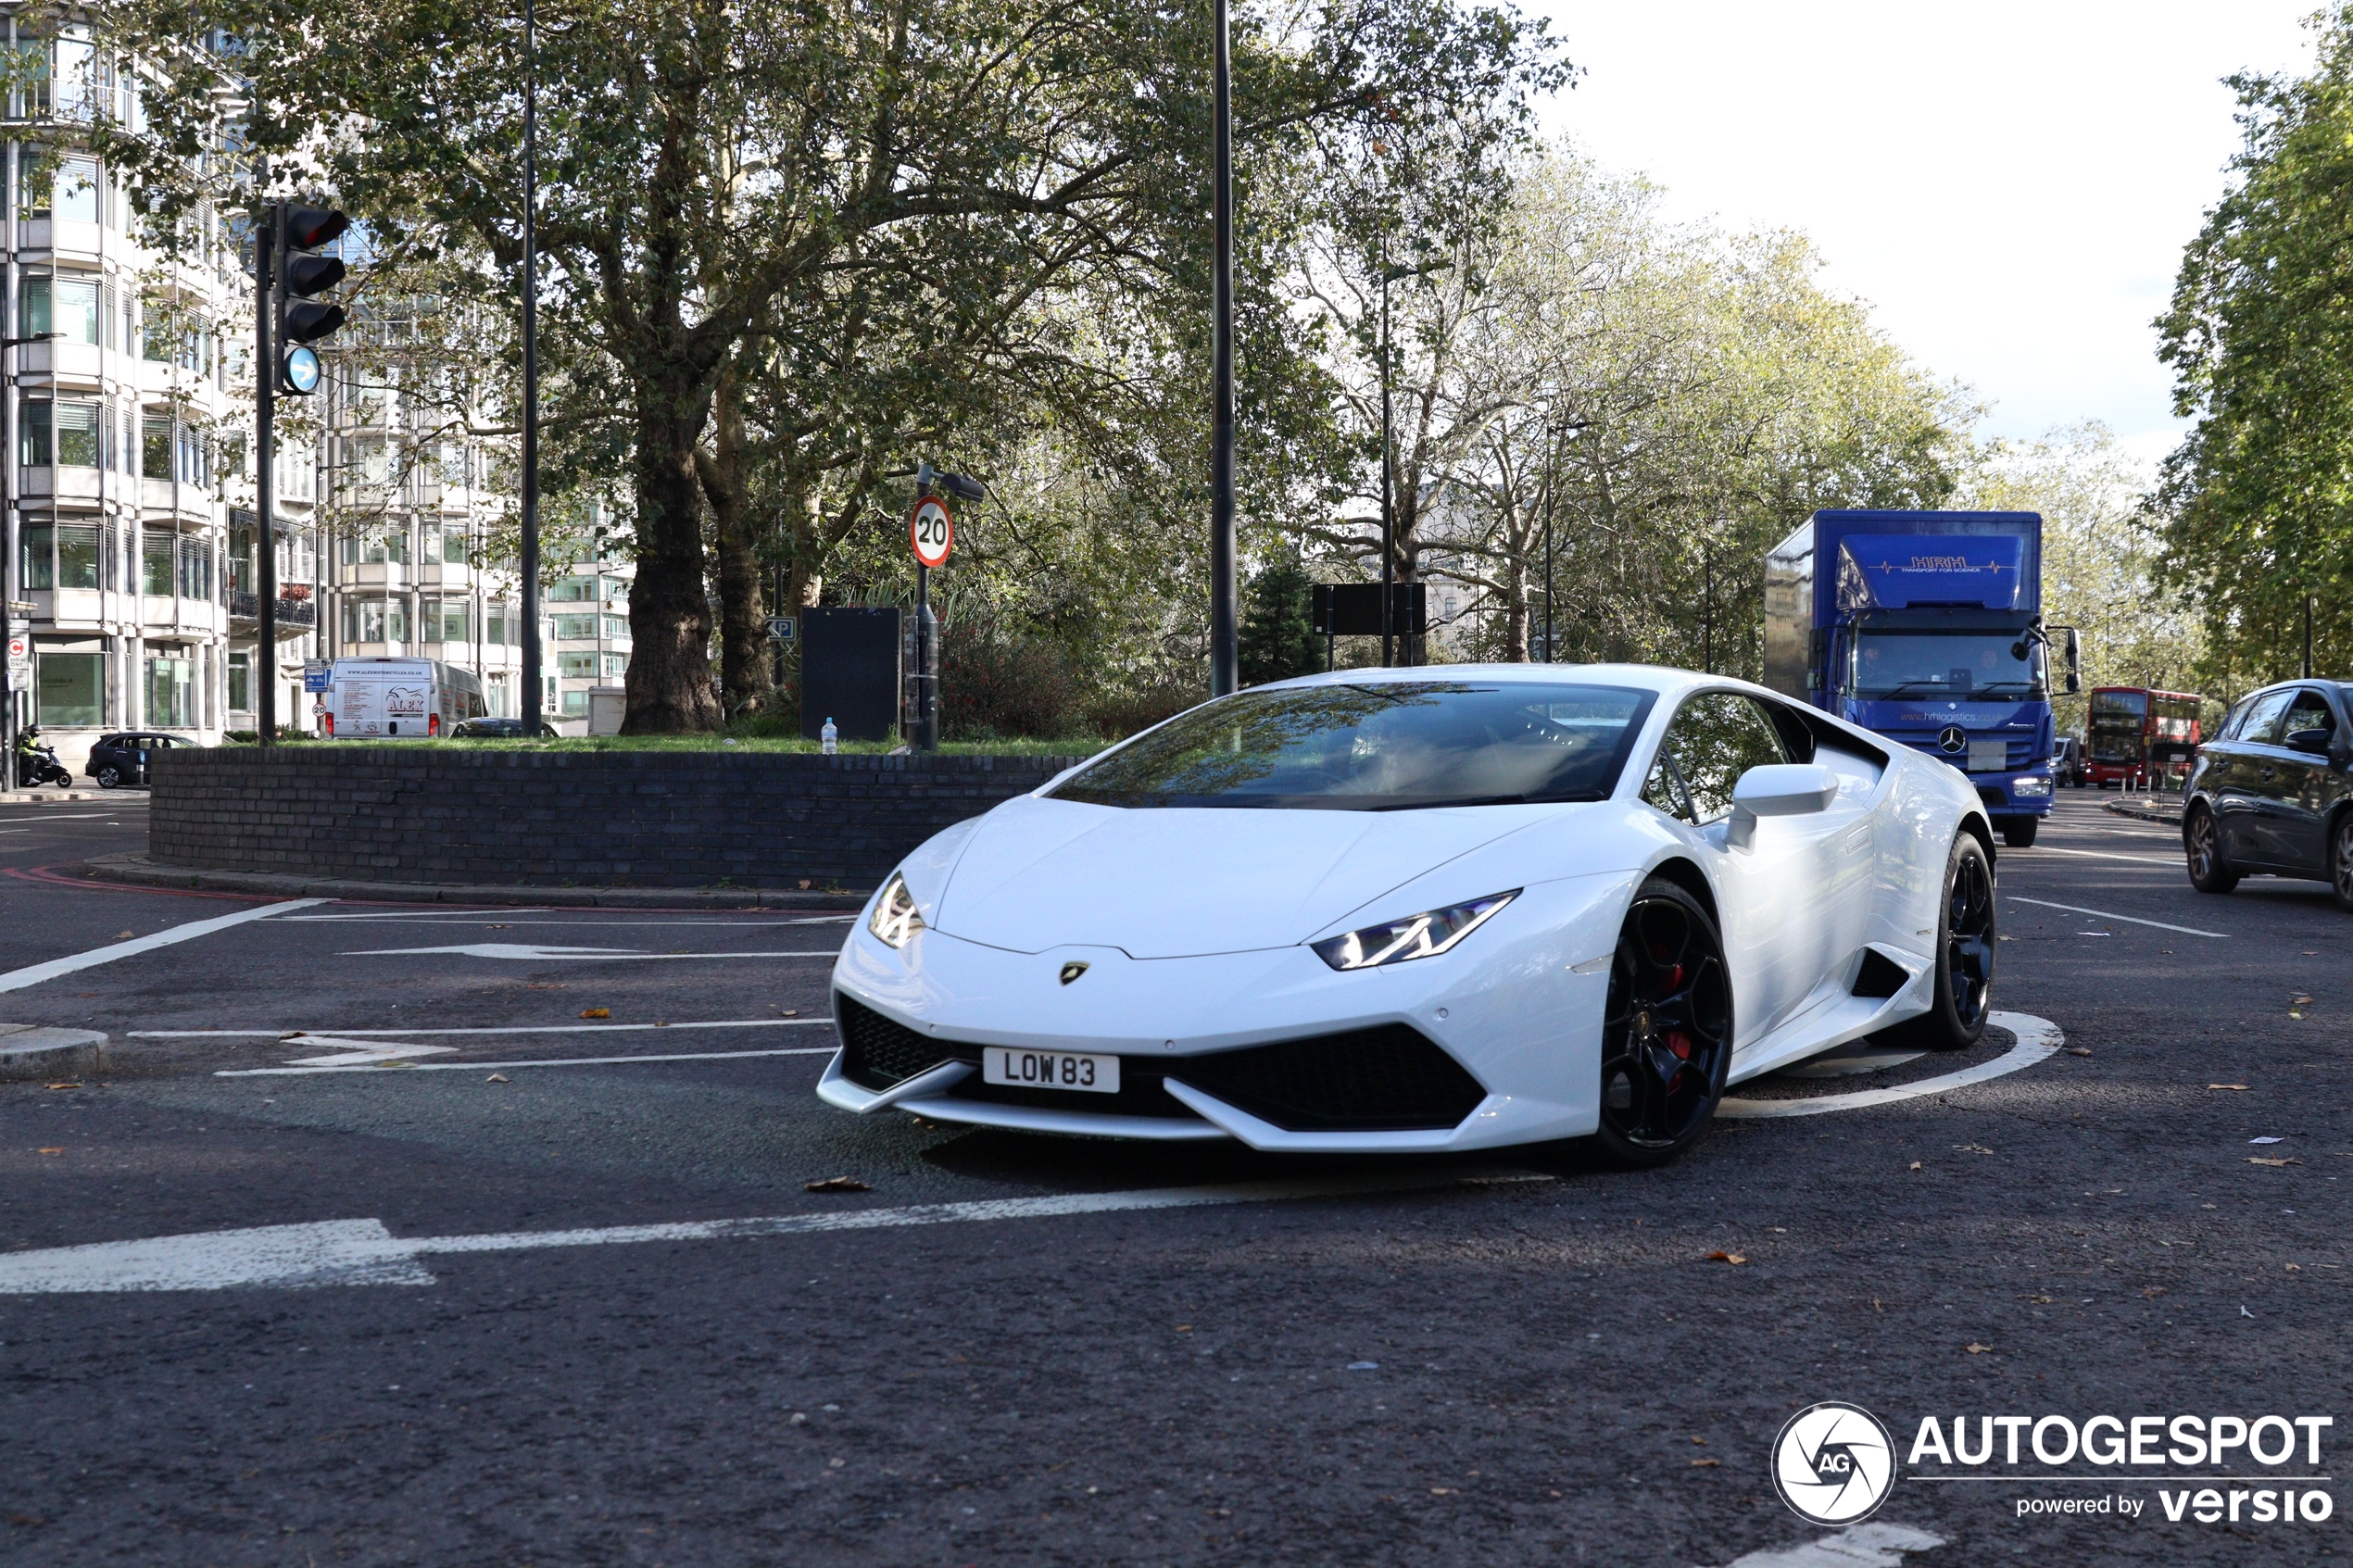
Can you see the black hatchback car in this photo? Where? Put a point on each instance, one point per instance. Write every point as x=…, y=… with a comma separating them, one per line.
x=496, y=729
x=2272, y=794
x=120, y=760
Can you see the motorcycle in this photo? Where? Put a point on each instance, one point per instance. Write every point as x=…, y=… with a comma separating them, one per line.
x=38, y=765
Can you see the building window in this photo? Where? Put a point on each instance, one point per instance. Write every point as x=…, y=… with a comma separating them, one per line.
x=453, y=622
x=78, y=434
x=453, y=546
x=65, y=304
x=155, y=559
x=571, y=590
x=32, y=438
x=240, y=682
x=575, y=704
x=71, y=689
x=195, y=570
x=36, y=567
x=495, y=697
x=617, y=627
x=155, y=446
x=575, y=628
x=78, y=556
x=576, y=665
x=171, y=691
x=616, y=664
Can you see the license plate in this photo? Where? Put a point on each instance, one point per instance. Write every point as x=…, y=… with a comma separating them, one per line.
x=1048, y=1069
x=1988, y=756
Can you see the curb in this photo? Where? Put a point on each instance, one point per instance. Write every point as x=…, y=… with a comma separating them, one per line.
x=141, y=871
x=2171, y=819
x=30, y=1052
x=57, y=798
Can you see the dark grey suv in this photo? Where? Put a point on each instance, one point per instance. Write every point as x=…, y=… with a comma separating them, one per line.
x=2272, y=794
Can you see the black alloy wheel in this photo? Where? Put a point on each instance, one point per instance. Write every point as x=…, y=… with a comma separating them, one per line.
x=1965, y=938
x=2202, y=842
x=110, y=777
x=2341, y=859
x=1667, y=1029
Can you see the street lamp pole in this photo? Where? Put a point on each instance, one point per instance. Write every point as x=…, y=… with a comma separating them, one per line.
x=531, y=650
x=9, y=586
x=1225, y=607
x=1387, y=470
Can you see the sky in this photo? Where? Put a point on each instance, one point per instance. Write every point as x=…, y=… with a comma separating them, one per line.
x=2010, y=185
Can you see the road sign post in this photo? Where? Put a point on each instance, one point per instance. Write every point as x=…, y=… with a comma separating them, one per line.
x=931, y=532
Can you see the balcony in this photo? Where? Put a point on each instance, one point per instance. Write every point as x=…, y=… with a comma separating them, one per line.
x=297, y=615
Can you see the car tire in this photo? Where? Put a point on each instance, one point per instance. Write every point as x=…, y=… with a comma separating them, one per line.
x=1965, y=938
x=110, y=777
x=2341, y=859
x=1667, y=1029
x=2202, y=846
x=2019, y=832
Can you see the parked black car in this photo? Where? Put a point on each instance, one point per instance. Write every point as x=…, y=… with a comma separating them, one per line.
x=120, y=760
x=496, y=729
x=2272, y=794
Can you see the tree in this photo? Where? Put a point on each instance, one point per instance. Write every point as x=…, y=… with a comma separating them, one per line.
x=1279, y=636
x=2258, y=498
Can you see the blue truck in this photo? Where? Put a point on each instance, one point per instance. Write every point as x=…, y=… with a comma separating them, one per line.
x=1926, y=627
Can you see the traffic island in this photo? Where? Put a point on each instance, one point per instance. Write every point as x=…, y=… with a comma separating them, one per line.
x=2147, y=809
x=32, y=1052
x=440, y=824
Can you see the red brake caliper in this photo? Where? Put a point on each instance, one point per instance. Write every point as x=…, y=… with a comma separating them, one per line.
x=1676, y=1041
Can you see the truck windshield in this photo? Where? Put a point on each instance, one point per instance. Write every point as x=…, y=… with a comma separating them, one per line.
x=1947, y=664
x=1381, y=746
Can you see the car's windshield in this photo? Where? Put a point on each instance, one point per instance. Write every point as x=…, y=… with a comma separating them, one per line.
x=1948, y=664
x=1378, y=746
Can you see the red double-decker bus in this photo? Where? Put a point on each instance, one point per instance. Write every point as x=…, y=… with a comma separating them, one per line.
x=2134, y=732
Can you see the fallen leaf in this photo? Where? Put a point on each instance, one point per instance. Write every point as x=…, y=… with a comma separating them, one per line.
x=2296, y=1268
x=1974, y=1348
x=124, y=937
x=496, y=1078
x=1184, y=1328
x=789, y=1012
x=2299, y=1001
x=2078, y=1050
x=2153, y=1290
x=2258, y=1159
x=595, y=1012
x=2293, y=1013
x=1970, y=1149
x=1705, y=1463
x=838, y=1184
x=2038, y=1300
x=1915, y=1165
x=2226, y=1086
x=1441, y=1491
x=64, y=1085
x=1727, y=1258
x=49, y=1152
x=1703, y=1442
x=804, y=885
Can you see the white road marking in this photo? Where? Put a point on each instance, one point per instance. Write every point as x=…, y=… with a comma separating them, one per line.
x=2041, y=849
x=2038, y=1038
x=363, y=1252
x=358, y=1052
x=2128, y=920
x=379, y=1068
x=63, y=816
x=505, y=1029
x=18, y=979
x=532, y=952
x=1875, y=1545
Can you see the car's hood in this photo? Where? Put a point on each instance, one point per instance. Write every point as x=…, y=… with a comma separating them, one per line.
x=1178, y=882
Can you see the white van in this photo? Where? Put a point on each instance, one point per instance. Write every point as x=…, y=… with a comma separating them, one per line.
x=397, y=698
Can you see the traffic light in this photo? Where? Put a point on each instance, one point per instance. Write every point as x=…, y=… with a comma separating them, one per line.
x=301, y=274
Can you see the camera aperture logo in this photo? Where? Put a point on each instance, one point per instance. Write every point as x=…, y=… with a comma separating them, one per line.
x=1834, y=1463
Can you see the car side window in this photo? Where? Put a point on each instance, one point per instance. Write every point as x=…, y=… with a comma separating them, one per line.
x=2262, y=725
x=2233, y=721
x=2310, y=711
x=1712, y=739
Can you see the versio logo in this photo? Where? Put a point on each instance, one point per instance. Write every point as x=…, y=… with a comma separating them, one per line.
x=1834, y=1463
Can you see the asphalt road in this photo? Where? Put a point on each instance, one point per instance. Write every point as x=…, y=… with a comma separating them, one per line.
x=1558, y=1371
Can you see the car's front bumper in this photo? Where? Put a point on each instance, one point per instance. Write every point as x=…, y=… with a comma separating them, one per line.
x=1506, y=1008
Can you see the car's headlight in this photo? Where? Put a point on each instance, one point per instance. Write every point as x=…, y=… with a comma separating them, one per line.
x=894, y=920
x=1416, y=936
x=2030, y=786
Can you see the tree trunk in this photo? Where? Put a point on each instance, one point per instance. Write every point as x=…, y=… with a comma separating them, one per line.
x=743, y=630
x=668, y=683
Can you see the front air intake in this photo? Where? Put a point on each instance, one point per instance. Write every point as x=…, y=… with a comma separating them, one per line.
x=1388, y=1079
x=877, y=1052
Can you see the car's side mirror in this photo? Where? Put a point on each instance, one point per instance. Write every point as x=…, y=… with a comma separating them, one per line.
x=2071, y=650
x=1779, y=789
x=2314, y=741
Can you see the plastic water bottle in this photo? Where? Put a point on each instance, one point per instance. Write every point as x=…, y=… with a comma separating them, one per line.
x=829, y=739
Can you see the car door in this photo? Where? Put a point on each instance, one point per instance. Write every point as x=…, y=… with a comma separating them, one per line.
x=2299, y=791
x=2242, y=807
x=1778, y=897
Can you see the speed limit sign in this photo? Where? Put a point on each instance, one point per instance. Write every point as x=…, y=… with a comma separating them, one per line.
x=932, y=532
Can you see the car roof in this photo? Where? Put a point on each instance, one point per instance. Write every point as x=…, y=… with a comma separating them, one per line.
x=1642, y=677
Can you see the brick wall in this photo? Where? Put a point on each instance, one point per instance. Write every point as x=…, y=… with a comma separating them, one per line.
x=642, y=819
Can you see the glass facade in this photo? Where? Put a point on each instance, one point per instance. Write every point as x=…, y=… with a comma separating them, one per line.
x=171, y=691
x=69, y=689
